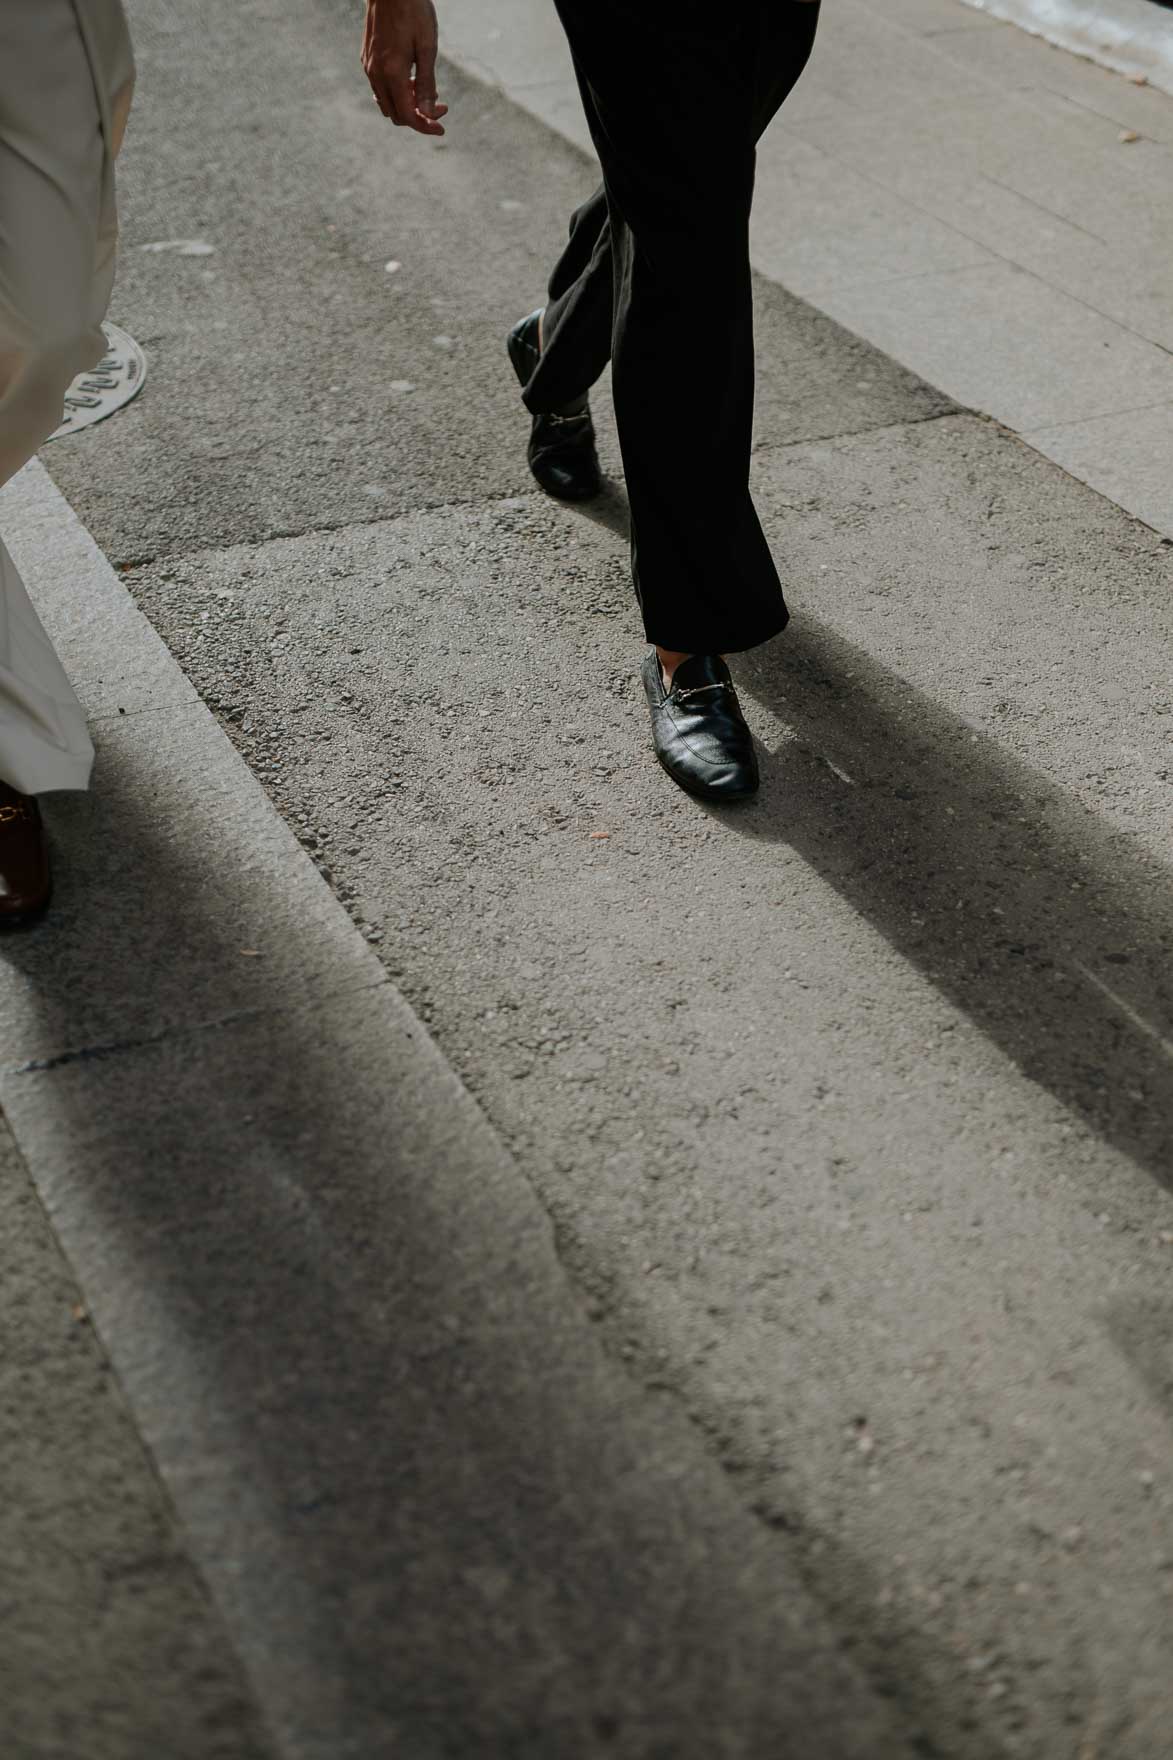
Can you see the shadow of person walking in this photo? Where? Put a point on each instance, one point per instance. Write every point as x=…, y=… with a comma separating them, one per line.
x=1049, y=930
x=431, y=1510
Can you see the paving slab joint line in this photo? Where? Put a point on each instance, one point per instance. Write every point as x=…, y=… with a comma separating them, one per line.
x=1088, y=488
x=1010, y=262
x=118, y=1392
x=131, y=565
x=1121, y=37
x=526, y=497
x=188, y=1030
x=102, y=717
x=764, y=448
x=1135, y=409
x=967, y=269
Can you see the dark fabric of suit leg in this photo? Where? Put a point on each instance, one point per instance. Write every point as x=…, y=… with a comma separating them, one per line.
x=660, y=257
x=578, y=319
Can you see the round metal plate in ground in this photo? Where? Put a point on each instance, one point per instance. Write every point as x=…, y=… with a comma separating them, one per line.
x=117, y=378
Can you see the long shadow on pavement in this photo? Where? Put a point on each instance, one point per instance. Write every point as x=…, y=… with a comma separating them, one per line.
x=1052, y=933
x=437, y=1520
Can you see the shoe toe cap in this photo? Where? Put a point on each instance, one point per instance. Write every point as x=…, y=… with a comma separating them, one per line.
x=717, y=762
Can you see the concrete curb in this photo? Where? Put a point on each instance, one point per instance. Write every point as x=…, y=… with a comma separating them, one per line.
x=434, y=1515
x=1129, y=36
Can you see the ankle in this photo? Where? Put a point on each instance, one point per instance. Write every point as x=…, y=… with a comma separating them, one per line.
x=669, y=659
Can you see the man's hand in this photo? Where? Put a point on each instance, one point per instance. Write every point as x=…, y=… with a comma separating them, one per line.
x=399, y=58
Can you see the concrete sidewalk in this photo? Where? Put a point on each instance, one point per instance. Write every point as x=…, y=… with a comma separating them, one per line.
x=1132, y=37
x=433, y=1516
x=109, y=1643
x=959, y=193
x=765, y=1261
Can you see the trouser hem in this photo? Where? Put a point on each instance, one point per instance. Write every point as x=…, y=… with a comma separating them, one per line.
x=48, y=773
x=717, y=638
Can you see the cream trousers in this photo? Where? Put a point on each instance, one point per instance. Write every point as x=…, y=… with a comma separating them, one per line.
x=66, y=76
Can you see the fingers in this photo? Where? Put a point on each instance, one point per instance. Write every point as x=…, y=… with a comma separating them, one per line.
x=428, y=110
x=382, y=95
x=400, y=65
x=372, y=61
x=403, y=100
x=400, y=90
x=376, y=71
x=425, y=78
x=426, y=118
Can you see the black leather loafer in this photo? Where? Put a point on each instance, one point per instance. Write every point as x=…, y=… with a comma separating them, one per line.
x=561, y=451
x=698, y=730
x=25, y=880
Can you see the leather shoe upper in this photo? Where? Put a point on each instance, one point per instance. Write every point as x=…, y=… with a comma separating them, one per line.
x=698, y=730
x=24, y=859
x=524, y=348
x=562, y=456
x=561, y=450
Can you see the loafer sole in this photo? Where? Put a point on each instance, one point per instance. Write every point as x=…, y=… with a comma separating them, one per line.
x=12, y=922
x=516, y=350
x=586, y=494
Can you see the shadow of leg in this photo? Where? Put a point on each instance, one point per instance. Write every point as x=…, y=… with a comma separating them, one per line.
x=1052, y=933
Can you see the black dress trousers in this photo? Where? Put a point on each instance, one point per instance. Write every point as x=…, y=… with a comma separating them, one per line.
x=656, y=278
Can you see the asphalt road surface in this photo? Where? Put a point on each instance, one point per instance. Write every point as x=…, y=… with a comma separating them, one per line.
x=853, y=1110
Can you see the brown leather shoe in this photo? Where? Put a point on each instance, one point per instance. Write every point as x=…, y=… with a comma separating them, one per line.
x=25, y=881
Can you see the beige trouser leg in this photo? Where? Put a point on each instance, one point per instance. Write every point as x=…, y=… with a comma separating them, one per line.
x=57, y=234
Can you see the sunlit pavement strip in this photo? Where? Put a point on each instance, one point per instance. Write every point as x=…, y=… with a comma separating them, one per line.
x=989, y=210
x=333, y=1301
